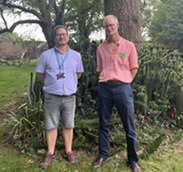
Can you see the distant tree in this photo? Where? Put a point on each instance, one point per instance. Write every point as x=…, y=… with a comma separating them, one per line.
x=86, y=21
x=167, y=24
x=10, y=37
x=128, y=14
x=147, y=8
x=47, y=14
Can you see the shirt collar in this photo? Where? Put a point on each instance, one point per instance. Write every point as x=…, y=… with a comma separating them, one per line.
x=57, y=50
x=118, y=43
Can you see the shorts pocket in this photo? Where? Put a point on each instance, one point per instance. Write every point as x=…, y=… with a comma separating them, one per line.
x=47, y=97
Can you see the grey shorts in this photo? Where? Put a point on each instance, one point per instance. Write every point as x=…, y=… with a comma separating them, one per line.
x=58, y=108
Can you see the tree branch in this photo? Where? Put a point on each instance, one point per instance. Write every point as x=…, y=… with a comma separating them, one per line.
x=5, y=23
x=4, y=3
x=82, y=11
x=14, y=25
x=50, y=5
x=63, y=9
x=56, y=9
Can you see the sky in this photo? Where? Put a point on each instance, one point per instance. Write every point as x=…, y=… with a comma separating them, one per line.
x=30, y=31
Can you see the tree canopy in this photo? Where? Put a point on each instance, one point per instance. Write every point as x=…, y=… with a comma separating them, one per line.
x=48, y=14
x=162, y=20
x=166, y=26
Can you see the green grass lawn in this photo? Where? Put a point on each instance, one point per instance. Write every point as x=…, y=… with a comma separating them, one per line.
x=14, y=82
x=168, y=160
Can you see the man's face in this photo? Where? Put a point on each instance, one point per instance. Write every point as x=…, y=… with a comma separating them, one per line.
x=111, y=26
x=61, y=37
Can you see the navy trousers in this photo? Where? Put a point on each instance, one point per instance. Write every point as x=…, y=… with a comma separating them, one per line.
x=121, y=97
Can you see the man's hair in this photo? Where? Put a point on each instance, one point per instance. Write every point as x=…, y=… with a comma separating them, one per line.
x=58, y=27
x=112, y=16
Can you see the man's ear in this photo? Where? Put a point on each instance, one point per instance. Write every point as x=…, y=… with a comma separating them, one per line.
x=118, y=25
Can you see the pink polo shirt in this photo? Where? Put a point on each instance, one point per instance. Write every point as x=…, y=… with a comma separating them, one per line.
x=116, y=65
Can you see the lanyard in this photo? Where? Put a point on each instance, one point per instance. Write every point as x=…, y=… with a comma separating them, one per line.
x=63, y=61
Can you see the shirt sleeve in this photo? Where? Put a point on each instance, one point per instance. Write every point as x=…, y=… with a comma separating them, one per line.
x=80, y=67
x=40, y=68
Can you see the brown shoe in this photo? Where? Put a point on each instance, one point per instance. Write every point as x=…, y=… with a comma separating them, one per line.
x=135, y=167
x=99, y=162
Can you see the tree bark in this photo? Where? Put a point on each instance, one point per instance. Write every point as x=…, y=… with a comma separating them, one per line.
x=128, y=14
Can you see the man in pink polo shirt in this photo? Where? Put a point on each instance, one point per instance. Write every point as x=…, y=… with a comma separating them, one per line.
x=117, y=64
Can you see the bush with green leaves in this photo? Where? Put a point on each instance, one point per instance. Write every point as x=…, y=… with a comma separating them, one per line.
x=158, y=87
x=87, y=87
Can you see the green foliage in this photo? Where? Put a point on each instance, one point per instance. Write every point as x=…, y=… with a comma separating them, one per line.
x=89, y=19
x=152, y=147
x=178, y=136
x=11, y=37
x=87, y=94
x=16, y=63
x=147, y=8
x=158, y=84
x=86, y=133
x=28, y=123
x=167, y=24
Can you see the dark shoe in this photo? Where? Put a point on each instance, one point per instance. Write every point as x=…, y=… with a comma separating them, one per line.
x=69, y=156
x=99, y=162
x=135, y=167
x=47, y=161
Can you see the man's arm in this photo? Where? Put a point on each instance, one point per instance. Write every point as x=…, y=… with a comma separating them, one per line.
x=40, y=77
x=134, y=72
x=78, y=75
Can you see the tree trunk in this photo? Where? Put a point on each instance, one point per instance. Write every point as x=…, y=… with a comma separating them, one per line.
x=48, y=33
x=128, y=14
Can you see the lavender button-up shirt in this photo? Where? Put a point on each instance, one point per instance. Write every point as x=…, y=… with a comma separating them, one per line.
x=49, y=63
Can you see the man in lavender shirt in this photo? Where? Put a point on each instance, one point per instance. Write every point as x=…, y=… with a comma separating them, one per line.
x=59, y=69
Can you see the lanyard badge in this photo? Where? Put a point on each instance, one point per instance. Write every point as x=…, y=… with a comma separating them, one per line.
x=61, y=74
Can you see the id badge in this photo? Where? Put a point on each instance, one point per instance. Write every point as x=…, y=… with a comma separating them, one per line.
x=60, y=75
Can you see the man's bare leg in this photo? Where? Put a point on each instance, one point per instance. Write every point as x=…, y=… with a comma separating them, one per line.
x=51, y=140
x=68, y=136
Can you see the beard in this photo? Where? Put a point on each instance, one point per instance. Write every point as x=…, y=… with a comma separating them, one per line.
x=61, y=42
